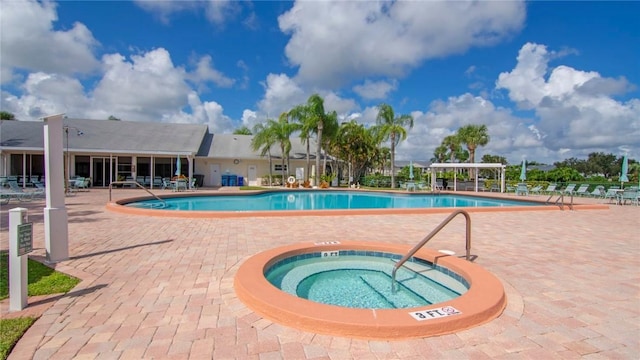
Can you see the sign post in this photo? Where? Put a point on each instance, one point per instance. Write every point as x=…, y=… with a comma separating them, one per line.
x=20, y=244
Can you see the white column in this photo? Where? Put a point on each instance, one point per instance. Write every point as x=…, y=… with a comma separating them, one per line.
x=56, y=233
x=191, y=162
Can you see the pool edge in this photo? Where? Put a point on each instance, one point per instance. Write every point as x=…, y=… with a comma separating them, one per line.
x=482, y=303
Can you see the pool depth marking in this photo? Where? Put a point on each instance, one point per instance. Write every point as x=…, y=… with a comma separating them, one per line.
x=435, y=313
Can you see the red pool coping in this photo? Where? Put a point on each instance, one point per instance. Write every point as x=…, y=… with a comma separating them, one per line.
x=484, y=301
x=118, y=207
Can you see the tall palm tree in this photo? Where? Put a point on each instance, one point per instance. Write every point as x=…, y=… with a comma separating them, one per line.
x=316, y=118
x=282, y=130
x=452, y=143
x=473, y=136
x=299, y=113
x=392, y=128
x=440, y=154
x=263, y=140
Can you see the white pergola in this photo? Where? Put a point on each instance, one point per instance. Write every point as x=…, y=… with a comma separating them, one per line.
x=435, y=166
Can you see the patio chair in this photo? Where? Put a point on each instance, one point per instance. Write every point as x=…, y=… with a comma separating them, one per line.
x=157, y=182
x=612, y=194
x=192, y=183
x=598, y=192
x=629, y=195
x=522, y=189
x=582, y=190
x=166, y=184
x=494, y=188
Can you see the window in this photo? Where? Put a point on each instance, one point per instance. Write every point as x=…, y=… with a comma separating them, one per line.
x=278, y=167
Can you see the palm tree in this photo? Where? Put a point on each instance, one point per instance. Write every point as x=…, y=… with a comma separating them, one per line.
x=452, y=143
x=263, y=140
x=282, y=130
x=473, y=136
x=392, y=128
x=316, y=118
x=243, y=130
x=440, y=154
x=299, y=113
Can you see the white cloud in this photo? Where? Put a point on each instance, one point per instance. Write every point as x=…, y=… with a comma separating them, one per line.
x=375, y=89
x=218, y=12
x=357, y=39
x=576, y=108
x=29, y=41
x=144, y=88
x=205, y=72
x=281, y=93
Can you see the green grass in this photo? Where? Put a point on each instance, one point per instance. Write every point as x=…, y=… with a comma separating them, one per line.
x=41, y=280
x=12, y=330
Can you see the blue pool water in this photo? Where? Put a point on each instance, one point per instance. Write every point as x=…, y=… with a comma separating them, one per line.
x=364, y=281
x=323, y=200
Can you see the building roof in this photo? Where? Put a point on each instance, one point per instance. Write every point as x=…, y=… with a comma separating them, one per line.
x=233, y=146
x=131, y=137
x=108, y=136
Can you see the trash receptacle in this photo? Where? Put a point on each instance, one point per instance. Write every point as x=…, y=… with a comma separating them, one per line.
x=240, y=181
x=233, y=180
x=225, y=180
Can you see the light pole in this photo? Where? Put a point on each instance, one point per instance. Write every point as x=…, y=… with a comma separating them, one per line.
x=68, y=162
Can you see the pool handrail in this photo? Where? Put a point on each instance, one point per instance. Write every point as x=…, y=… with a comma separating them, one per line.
x=132, y=182
x=431, y=235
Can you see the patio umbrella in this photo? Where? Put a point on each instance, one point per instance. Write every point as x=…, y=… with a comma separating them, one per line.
x=178, y=166
x=411, y=170
x=623, y=172
x=523, y=171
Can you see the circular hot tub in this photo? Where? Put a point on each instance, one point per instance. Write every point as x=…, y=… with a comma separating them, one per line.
x=478, y=300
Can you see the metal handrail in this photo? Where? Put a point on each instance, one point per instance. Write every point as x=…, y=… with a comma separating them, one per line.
x=130, y=182
x=431, y=235
x=560, y=201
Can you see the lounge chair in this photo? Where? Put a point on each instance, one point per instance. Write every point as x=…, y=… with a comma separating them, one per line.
x=522, y=189
x=569, y=190
x=598, y=192
x=551, y=189
x=536, y=190
x=16, y=192
x=582, y=190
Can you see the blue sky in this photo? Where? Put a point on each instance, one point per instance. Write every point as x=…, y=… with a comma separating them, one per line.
x=551, y=80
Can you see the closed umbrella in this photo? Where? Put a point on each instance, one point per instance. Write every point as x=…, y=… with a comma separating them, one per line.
x=523, y=171
x=178, y=167
x=411, y=170
x=623, y=172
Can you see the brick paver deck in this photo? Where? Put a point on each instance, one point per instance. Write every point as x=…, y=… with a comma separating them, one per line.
x=163, y=287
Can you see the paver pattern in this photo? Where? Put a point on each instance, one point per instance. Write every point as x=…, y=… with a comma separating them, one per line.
x=162, y=288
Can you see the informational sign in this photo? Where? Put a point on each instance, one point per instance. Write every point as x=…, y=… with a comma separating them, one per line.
x=25, y=238
x=434, y=313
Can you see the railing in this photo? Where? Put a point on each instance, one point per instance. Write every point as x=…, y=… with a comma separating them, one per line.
x=560, y=201
x=431, y=235
x=129, y=182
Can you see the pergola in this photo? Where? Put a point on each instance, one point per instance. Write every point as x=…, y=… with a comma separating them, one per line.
x=435, y=166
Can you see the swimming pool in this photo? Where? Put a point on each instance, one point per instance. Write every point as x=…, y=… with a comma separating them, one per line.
x=322, y=200
x=363, y=279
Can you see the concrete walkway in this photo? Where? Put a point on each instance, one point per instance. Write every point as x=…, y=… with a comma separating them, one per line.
x=156, y=288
